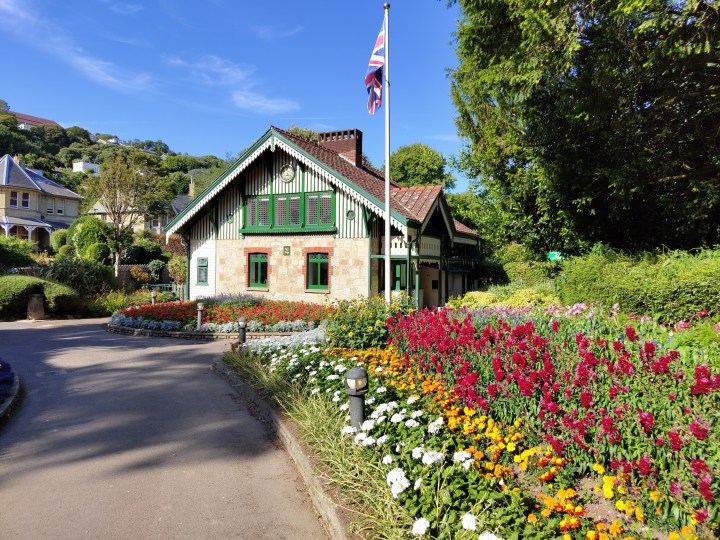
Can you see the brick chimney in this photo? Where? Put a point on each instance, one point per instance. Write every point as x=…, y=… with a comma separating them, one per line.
x=347, y=142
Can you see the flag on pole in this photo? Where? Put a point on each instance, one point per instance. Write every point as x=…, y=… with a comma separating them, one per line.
x=374, y=76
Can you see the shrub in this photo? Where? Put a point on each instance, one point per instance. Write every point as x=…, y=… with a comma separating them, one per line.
x=15, y=253
x=86, y=231
x=88, y=278
x=58, y=239
x=140, y=275
x=142, y=252
x=473, y=300
x=669, y=287
x=155, y=268
x=15, y=291
x=177, y=267
x=66, y=251
x=98, y=252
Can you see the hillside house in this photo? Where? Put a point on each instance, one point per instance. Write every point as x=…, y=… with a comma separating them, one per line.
x=300, y=220
x=32, y=206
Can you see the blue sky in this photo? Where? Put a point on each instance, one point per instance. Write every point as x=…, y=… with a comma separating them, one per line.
x=210, y=77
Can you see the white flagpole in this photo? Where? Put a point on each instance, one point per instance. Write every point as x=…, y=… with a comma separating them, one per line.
x=386, y=74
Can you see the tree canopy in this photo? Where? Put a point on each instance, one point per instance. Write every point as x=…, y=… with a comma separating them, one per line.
x=420, y=165
x=592, y=121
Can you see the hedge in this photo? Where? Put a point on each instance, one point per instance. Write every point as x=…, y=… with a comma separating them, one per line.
x=15, y=291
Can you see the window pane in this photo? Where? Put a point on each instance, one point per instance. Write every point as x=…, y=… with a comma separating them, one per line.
x=258, y=270
x=318, y=271
x=13, y=199
x=252, y=212
x=60, y=207
x=312, y=210
x=51, y=206
x=325, y=210
x=26, y=200
x=263, y=213
x=295, y=210
x=281, y=211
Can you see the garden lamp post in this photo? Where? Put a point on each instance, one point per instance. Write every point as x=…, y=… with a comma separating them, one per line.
x=153, y=295
x=356, y=386
x=200, y=308
x=242, y=327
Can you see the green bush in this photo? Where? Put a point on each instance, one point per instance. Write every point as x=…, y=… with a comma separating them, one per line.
x=142, y=252
x=177, y=267
x=360, y=323
x=113, y=301
x=58, y=239
x=669, y=287
x=88, y=278
x=15, y=253
x=98, y=252
x=66, y=251
x=15, y=291
x=86, y=231
x=155, y=268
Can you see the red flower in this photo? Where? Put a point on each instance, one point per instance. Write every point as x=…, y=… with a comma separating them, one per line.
x=698, y=430
x=585, y=399
x=631, y=334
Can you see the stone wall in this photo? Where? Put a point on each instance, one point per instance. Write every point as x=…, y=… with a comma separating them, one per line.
x=287, y=264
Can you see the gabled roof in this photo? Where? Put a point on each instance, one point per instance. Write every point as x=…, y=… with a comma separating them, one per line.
x=423, y=200
x=364, y=184
x=32, y=120
x=14, y=175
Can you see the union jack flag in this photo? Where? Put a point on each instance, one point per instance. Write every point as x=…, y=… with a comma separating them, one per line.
x=374, y=76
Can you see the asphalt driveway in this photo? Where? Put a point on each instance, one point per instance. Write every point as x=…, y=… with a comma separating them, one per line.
x=135, y=437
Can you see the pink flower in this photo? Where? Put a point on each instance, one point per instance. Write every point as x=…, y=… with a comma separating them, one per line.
x=698, y=430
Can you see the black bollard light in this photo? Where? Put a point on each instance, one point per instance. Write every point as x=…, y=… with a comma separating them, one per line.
x=356, y=386
x=200, y=308
x=242, y=328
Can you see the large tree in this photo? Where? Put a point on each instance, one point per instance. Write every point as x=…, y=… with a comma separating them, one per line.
x=130, y=190
x=420, y=165
x=593, y=121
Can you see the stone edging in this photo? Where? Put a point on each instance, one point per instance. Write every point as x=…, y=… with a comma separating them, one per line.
x=259, y=407
x=207, y=336
x=7, y=405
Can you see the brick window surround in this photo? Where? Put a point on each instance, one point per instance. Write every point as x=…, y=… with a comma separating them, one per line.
x=318, y=249
x=246, y=262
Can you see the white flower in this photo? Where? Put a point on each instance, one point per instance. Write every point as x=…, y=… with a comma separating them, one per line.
x=336, y=397
x=348, y=430
x=432, y=457
x=397, y=481
x=397, y=418
x=381, y=440
x=387, y=460
x=418, y=483
x=378, y=370
x=332, y=377
x=487, y=535
x=416, y=414
x=420, y=527
x=412, y=399
x=315, y=391
x=417, y=453
x=435, y=425
x=367, y=425
x=344, y=406
x=459, y=457
x=469, y=522
x=380, y=390
x=412, y=423
x=370, y=400
x=368, y=441
x=360, y=437
x=467, y=464
x=340, y=368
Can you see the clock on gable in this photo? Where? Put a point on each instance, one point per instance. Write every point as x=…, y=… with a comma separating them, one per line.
x=287, y=172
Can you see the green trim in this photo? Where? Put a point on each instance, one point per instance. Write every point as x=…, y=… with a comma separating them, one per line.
x=317, y=260
x=256, y=261
x=206, y=266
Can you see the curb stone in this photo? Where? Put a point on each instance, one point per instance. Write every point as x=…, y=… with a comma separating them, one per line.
x=201, y=336
x=7, y=405
x=261, y=409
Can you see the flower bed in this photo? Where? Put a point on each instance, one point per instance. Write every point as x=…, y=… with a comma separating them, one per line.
x=568, y=424
x=261, y=316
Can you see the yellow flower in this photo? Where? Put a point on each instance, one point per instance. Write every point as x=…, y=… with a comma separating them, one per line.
x=591, y=535
x=350, y=334
x=511, y=447
x=639, y=514
x=532, y=518
x=655, y=495
x=615, y=528
x=599, y=468
x=673, y=536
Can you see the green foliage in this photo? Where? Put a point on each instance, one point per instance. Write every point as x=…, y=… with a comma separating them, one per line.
x=588, y=121
x=360, y=323
x=112, y=301
x=140, y=275
x=15, y=291
x=58, y=239
x=86, y=231
x=419, y=165
x=88, y=278
x=177, y=267
x=98, y=252
x=142, y=252
x=66, y=251
x=670, y=287
x=507, y=297
x=15, y=253
x=155, y=268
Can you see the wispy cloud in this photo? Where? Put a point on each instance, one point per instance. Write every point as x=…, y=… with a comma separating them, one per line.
x=443, y=137
x=123, y=8
x=271, y=33
x=248, y=100
x=214, y=71
x=219, y=72
x=20, y=19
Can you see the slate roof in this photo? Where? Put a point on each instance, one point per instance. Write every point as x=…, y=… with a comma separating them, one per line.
x=14, y=175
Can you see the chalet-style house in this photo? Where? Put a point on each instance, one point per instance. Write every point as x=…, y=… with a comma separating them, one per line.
x=300, y=220
x=32, y=206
